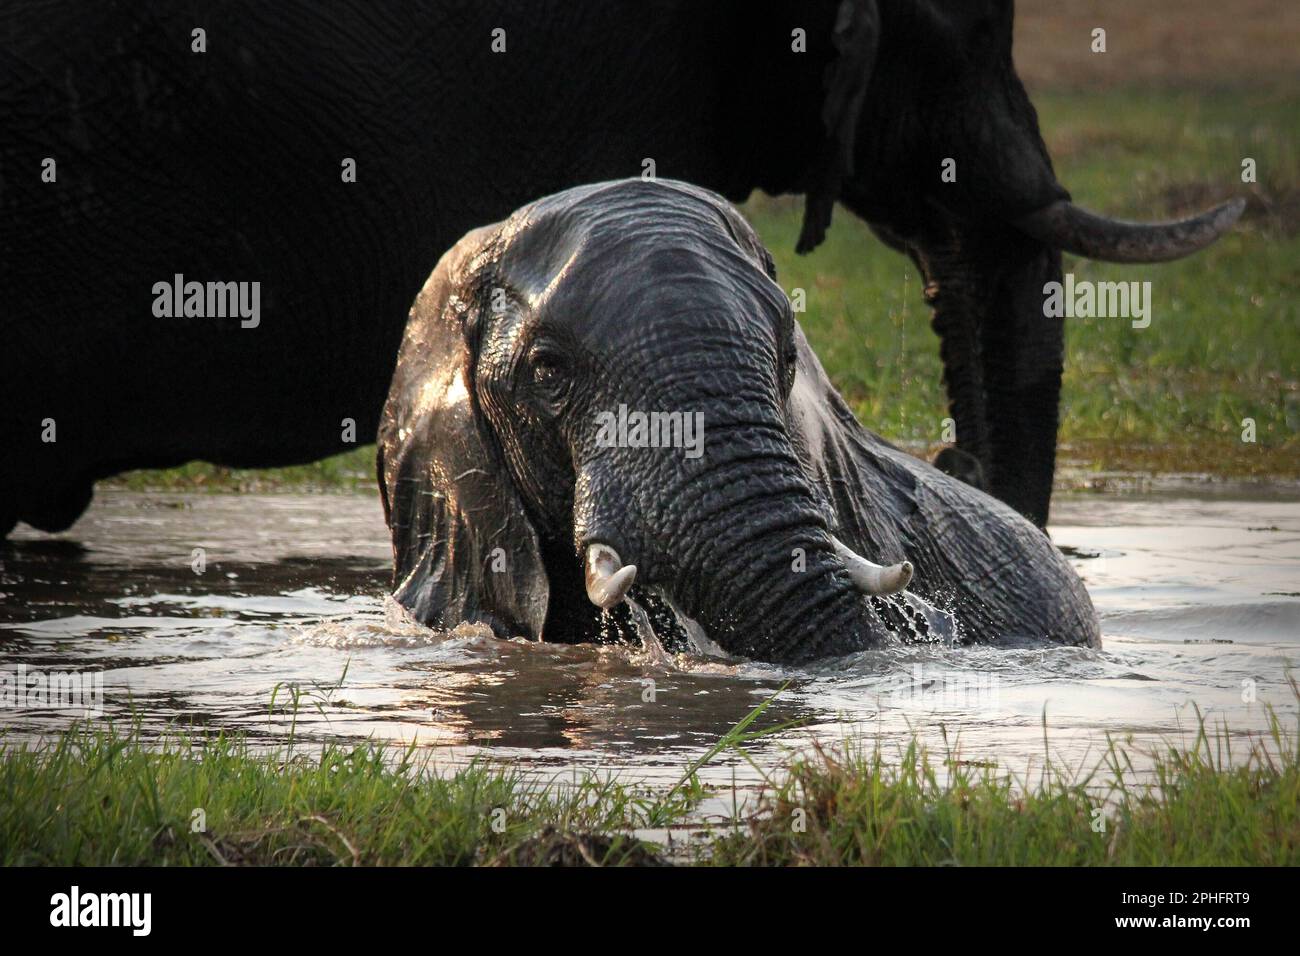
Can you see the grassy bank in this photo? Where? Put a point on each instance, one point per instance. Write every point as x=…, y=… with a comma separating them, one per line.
x=1221, y=346
x=98, y=798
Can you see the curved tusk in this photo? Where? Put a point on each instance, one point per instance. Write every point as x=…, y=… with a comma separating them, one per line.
x=608, y=579
x=1066, y=226
x=873, y=578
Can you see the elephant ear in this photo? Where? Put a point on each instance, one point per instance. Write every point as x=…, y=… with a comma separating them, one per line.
x=854, y=38
x=463, y=547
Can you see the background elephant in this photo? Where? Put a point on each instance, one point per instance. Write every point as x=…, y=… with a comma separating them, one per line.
x=658, y=297
x=151, y=140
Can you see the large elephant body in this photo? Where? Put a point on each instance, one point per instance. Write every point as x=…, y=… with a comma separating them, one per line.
x=504, y=493
x=155, y=142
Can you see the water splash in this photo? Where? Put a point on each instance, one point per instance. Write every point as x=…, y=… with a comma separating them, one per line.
x=395, y=628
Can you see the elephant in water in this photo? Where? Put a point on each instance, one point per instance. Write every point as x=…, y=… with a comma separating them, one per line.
x=604, y=413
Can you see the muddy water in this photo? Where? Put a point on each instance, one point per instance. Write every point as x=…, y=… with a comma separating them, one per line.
x=1199, y=598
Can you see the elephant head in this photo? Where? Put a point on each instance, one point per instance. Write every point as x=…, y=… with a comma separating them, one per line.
x=926, y=132
x=606, y=396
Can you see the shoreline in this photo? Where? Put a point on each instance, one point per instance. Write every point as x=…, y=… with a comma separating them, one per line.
x=1081, y=467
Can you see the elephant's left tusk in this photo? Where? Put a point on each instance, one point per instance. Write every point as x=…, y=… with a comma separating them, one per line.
x=873, y=578
x=608, y=579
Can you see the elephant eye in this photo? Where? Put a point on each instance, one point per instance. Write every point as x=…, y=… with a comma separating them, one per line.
x=549, y=373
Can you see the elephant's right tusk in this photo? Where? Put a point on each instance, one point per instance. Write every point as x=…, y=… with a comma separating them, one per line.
x=608, y=579
x=872, y=578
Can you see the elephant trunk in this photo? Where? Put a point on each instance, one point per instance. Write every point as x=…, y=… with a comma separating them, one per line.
x=751, y=560
x=1066, y=226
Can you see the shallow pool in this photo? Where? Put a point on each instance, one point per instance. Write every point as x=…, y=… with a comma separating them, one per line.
x=1198, y=592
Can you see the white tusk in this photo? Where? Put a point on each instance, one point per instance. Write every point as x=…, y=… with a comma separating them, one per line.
x=608, y=579
x=873, y=578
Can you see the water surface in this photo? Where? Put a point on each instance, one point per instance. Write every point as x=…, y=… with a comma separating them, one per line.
x=1198, y=594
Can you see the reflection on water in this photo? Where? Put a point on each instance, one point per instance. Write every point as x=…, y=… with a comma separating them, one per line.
x=194, y=607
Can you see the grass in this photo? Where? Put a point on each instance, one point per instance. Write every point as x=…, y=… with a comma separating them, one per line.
x=94, y=798
x=97, y=797
x=351, y=471
x=860, y=807
x=1221, y=346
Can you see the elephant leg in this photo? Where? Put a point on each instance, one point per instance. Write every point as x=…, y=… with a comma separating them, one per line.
x=1023, y=357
